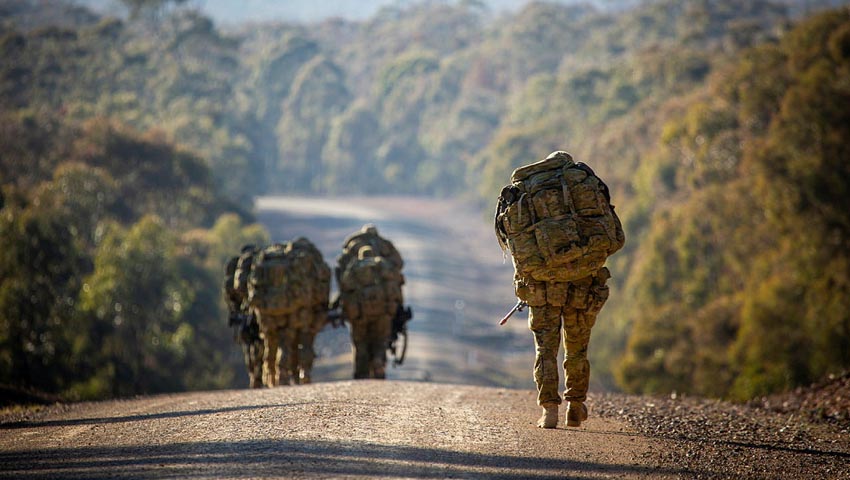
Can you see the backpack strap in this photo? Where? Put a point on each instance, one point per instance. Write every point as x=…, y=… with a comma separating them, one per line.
x=568, y=199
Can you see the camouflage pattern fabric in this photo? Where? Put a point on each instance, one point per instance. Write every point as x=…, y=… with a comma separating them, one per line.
x=370, y=296
x=271, y=327
x=248, y=334
x=569, y=318
x=369, y=336
x=252, y=349
x=291, y=298
x=231, y=296
x=557, y=221
x=367, y=236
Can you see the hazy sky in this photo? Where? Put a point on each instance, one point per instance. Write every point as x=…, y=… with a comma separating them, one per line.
x=235, y=11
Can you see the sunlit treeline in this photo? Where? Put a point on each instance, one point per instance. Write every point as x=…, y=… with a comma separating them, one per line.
x=718, y=125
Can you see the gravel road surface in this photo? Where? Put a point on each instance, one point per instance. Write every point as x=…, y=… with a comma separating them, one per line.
x=405, y=429
x=462, y=405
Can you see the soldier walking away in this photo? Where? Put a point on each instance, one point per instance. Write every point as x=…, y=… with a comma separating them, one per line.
x=370, y=297
x=367, y=235
x=288, y=289
x=309, y=262
x=557, y=220
x=244, y=322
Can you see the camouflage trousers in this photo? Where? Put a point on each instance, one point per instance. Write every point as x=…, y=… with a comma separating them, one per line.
x=253, y=352
x=288, y=347
x=573, y=320
x=248, y=336
x=369, y=335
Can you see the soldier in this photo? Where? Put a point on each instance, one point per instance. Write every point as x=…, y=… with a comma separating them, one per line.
x=268, y=297
x=370, y=297
x=310, y=320
x=368, y=235
x=558, y=223
x=289, y=291
x=241, y=317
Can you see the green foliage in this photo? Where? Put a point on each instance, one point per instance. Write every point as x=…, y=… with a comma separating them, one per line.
x=39, y=276
x=762, y=179
x=98, y=298
x=729, y=168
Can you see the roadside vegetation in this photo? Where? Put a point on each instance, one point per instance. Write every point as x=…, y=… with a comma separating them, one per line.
x=130, y=151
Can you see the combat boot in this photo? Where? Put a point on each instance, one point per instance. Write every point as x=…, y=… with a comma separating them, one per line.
x=576, y=413
x=549, y=419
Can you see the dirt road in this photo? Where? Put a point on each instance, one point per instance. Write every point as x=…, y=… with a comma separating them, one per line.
x=457, y=282
x=397, y=429
x=460, y=423
x=341, y=429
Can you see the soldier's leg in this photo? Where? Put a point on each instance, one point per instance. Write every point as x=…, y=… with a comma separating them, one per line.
x=587, y=299
x=576, y=366
x=256, y=368
x=379, y=335
x=545, y=323
x=290, y=354
x=360, y=344
x=307, y=355
x=248, y=355
x=253, y=348
x=270, y=344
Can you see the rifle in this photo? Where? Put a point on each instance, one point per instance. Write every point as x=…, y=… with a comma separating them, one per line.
x=335, y=316
x=402, y=316
x=517, y=308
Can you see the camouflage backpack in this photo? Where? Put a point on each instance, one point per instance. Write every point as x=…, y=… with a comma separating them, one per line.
x=370, y=286
x=368, y=236
x=229, y=275
x=273, y=284
x=557, y=221
x=242, y=273
x=310, y=261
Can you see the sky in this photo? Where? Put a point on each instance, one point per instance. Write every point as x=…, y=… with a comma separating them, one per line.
x=238, y=11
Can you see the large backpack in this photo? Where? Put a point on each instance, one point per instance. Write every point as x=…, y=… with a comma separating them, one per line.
x=230, y=292
x=557, y=221
x=242, y=273
x=310, y=263
x=368, y=237
x=273, y=284
x=370, y=286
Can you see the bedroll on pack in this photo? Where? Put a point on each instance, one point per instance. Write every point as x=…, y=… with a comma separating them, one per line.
x=557, y=221
x=274, y=287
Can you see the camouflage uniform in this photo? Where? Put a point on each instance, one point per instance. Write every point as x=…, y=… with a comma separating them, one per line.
x=248, y=334
x=289, y=337
x=371, y=295
x=253, y=350
x=286, y=349
x=557, y=220
x=576, y=315
x=367, y=236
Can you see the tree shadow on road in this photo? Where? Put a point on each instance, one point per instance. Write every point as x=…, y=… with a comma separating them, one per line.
x=136, y=418
x=297, y=458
